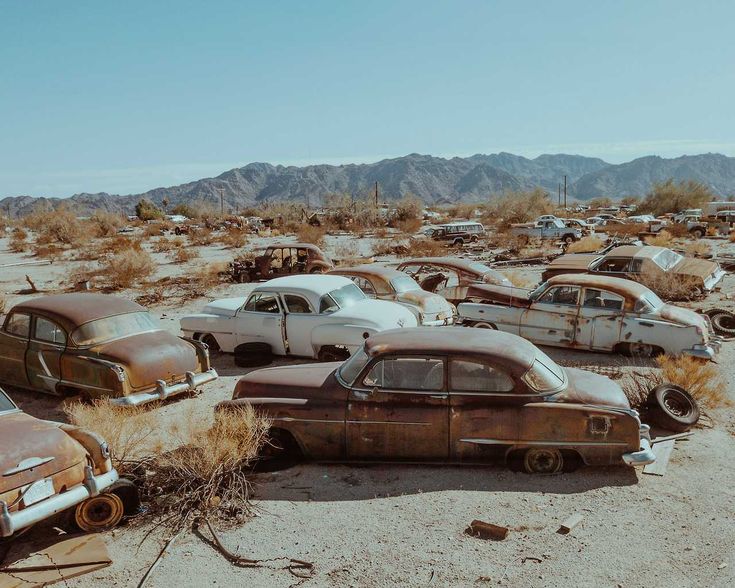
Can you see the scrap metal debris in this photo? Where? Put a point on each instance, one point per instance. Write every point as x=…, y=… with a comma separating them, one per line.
x=485, y=530
x=566, y=527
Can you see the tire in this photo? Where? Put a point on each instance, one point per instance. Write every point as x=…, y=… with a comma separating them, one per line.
x=568, y=239
x=723, y=321
x=672, y=408
x=473, y=239
x=253, y=355
x=697, y=233
x=484, y=325
x=543, y=460
x=210, y=342
x=126, y=491
x=316, y=270
x=641, y=350
x=280, y=451
x=99, y=513
x=330, y=353
x=458, y=243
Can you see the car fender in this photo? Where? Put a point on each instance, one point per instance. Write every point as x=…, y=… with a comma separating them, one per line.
x=351, y=336
x=671, y=337
x=194, y=326
x=505, y=318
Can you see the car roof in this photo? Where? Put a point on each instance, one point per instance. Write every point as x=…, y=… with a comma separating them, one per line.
x=626, y=288
x=79, y=307
x=465, y=264
x=310, y=246
x=635, y=251
x=371, y=269
x=493, y=345
x=316, y=284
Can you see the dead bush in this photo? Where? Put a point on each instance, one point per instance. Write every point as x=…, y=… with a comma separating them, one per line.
x=518, y=207
x=426, y=248
x=702, y=379
x=408, y=226
x=128, y=430
x=670, y=286
x=309, y=234
x=18, y=240
x=184, y=254
x=201, y=236
x=155, y=229
x=165, y=245
x=383, y=247
x=587, y=244
x=234, y=238
x=662, y=239
x=50, y=251
x=697, y=249
x=58, y=226
x=347, y=253
x=106, y=224
x=127, y=269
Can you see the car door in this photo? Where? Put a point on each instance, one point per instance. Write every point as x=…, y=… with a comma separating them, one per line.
x=43, y=356
x=484, y=410
x=600, y=319
x=613, y=266
x=552, y=317
x=261, y=320
x=13, y=345
x=300, y=319
x=398, y=410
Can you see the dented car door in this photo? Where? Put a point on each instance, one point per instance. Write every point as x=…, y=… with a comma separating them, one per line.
x=600, y=319
x=13, y=345
x=398, y=409
x=43, y=357
x=552, y=317
x=261, y=320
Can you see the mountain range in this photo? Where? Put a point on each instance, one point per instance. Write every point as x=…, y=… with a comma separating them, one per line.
x=434, y=180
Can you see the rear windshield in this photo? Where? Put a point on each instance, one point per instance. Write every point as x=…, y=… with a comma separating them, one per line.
x=350, y=369
x=648, y=303
x=544, y=375
x=343, y=297
x=5, y=403
x=113, y=327
x=404, y=284
x=666, y=259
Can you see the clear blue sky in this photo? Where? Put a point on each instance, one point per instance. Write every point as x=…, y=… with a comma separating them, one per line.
x=128, y=96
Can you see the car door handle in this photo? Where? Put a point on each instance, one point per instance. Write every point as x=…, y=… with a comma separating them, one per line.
x=363, y=394
x=645, y=324
x=438, y=396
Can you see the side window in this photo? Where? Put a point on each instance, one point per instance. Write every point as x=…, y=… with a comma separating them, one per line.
x=48, y=331
x=327, y=304
x=614, y=265
x=560, y=295
x=364, y=285
x=635, y=265
x=296, y=304
x=594, y=298
x=411, y=269
x=262, y=302
x=407, y=373
x=473, y=376
x=18, y=324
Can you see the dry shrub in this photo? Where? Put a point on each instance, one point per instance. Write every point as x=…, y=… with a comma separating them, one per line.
x=118, y=244
x=697, y=249
x=383, y=247
x=201, y=236
x=346, y=251
x=153, y=230
x=165, y=245
x=127, y=429
x=184, y=254
x=662, y=239
x=408, y=226
x=58, y=226
x=518, y=279
x=128, y=268
x=702, y=379
x=518, y=207
x=310, y=234
x=426, y=248
x=623, y=230
x=382, y=233
x=50, y=251
x=587, y=244
x=670, y=286
x=106, y=224
x=234, y=238
x=18, y=240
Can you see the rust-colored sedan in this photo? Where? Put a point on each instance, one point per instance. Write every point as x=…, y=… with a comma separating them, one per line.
x=423, y=395
x=98, y=346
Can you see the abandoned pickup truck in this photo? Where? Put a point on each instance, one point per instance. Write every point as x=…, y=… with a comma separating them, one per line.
x=282, y=259
x=47, y=468
x=657, y=267
x=386, y=283
x=99, y=346
x=420, y=395
x=551, y=228
x=323, y=317
x=592, y=312
x=449, y=276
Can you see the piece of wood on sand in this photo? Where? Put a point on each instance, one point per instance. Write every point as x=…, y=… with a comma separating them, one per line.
x=569, y=523
x=485, y=530
x=663, y=451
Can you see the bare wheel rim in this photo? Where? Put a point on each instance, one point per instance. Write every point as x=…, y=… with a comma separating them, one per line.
x=641, y=349
x=543, y=461
x=676, y=403
x=100, y=513
x=483, y=326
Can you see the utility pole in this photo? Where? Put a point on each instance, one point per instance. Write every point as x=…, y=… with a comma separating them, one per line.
x=221, y=201
x=559, y=195
x=376, y=194
x=565, y=191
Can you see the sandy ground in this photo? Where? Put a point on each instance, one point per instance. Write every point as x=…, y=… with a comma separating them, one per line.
x=387, y=525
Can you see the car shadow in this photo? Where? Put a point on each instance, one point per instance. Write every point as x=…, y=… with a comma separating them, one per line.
x=224, y=363
x=329, y=483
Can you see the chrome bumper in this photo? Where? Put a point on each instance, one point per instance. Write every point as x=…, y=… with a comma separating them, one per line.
x=642, y=457
x=162, y=391
x=10, y=522
x=705, y=351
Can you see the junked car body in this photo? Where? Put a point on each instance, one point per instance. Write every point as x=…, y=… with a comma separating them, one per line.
x=47, y=467
x=553, y=228
x=99, y=346
x=386, y=283
x=325, y=317
x=449, y=276
x=282, y=259
x=592, y=312
x=640, y=264
x=420, y=395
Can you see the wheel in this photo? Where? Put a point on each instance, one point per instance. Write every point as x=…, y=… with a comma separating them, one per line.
x=280, y=449
x=332, y=353
x=484, y=326
x=126, y=491
x=672, y=408
x=723, y=321
x=543, y=461
x=458, y=242
x=99, y=513
x=473, y=239
x=253, y=355
x=697, y=233
x=210, y=342
x=317, y=270
x=641, y=350
x=568, y=239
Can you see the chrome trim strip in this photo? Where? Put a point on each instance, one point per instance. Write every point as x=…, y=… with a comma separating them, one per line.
x=267, y=400
x=385, y=423
x=295, y=420
x=480, y=441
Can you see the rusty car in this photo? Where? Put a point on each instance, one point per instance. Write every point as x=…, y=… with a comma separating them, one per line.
x=97, y=346
x=419, y=395
x=281, y=259
x=598, y=313
x=385, y=283
x=448, y=276
x=47, y=468
x=324, y=317
x=644, y=263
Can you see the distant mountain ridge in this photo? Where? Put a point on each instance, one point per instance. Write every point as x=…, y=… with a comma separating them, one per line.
x=435, y=180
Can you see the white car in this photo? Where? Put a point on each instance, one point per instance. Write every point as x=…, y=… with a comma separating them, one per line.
x=318, y=316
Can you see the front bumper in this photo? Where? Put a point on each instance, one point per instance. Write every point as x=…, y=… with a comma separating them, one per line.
x=642, y=457
x=445, y=322
x=162, y=391
x=10, y=522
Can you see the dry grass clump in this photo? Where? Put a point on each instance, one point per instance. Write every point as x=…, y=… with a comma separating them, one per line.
x=697, y=249
x=408, y=226
x=127, y=429
x=58, y=226
x=701, y=379
x=663, y=239
x=518, y=279
x=165, y=245
x=153, y=229
x=670, y=286
x=127, y=269
x=117, y=244
x=310, y=234
x=50, y=251
x=383, y=247
x=587, y=244
x=426, y=248
x=518, y=207
x=234, y=238
x=18, y=240
x=106, y=224
x=201, y=236
x=184, y=254
x=347, y=253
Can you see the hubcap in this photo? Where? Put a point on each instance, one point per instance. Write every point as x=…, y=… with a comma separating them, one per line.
x=543, y=461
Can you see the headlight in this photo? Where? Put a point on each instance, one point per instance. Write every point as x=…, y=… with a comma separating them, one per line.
x=119, y=372
x=105, y=450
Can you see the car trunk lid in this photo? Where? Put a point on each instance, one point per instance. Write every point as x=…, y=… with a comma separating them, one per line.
x=285, y=381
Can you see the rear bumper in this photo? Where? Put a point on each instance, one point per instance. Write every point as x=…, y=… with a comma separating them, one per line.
x=11, y=522
x=642, y=457
x=704, y=351
x=162, y=391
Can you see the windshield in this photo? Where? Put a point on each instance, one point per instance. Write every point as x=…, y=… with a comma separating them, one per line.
x=538, y=291
x=113, y=327
x=350, y=369
x=404, y=283
x=544, y=375
x=666, y=259
x=342, y=297
x=480, y=268
x=5, y=403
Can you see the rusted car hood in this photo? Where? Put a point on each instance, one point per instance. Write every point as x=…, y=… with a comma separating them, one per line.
x=148, y=357
x=286, y=381
x=427, y=301
x=589, y=388
x=506, y=295
x=683, y=316
x=699, y=268
x=576, y=261
x=23, y=437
